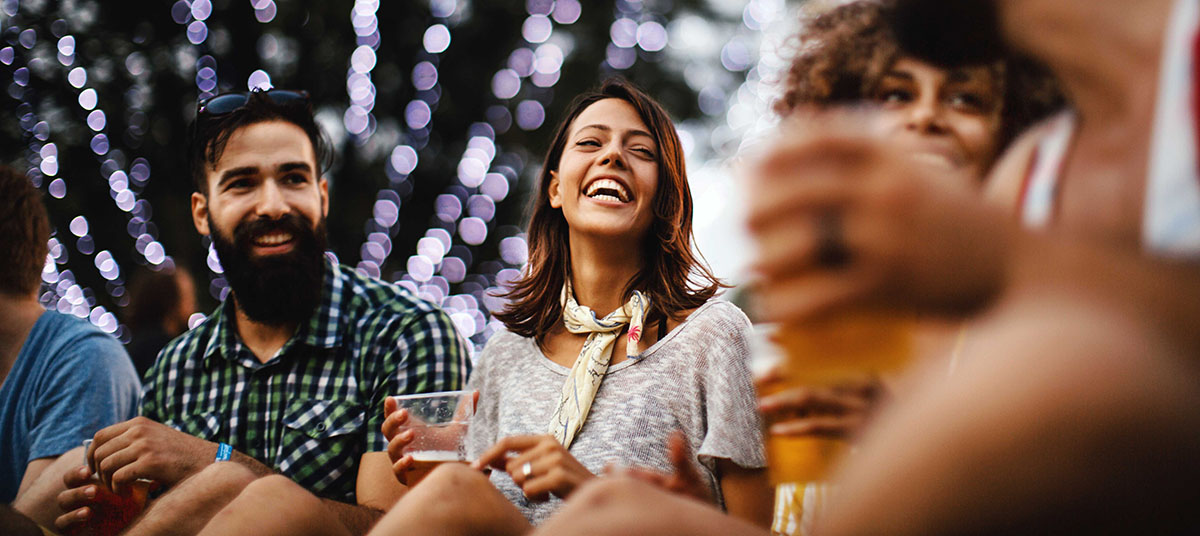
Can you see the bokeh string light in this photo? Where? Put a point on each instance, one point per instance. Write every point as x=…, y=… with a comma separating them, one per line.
x=60, y=291
x=192, y=16
x=467, y=209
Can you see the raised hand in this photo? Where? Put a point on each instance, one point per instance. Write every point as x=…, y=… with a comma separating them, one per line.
x=907, y=235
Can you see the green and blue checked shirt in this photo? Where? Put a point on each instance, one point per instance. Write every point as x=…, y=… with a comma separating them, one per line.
x=314, y=408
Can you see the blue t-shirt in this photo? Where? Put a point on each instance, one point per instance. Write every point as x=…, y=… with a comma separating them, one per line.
x=69, y=380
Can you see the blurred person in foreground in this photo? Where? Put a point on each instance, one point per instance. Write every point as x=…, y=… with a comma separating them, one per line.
x=61, y=378
x=848, y=67
x=159, y=306
x=663, y=380
x=288, y=376
x=1107, y=442
x=959, y=120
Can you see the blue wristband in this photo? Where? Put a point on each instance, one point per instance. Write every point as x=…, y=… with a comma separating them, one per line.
x=224, y=451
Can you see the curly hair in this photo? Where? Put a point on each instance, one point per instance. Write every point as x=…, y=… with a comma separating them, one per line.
x=840, y=56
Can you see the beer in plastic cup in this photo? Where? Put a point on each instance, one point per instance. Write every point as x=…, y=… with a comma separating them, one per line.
x=113, y=512
x=830, y=352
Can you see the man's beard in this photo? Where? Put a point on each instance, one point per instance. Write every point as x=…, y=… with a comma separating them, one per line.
x=276, y=289
x=951, y=33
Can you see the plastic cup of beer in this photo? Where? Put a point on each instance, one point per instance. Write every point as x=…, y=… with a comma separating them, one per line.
x=112, y=512
x=840, y=350
x=439, y=424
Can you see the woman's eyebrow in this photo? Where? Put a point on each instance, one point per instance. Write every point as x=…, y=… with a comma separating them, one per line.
x=961, y=75
x=606, y=128
x=903, y=75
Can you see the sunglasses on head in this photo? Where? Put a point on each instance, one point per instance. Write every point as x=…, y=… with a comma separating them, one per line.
x=232, y=102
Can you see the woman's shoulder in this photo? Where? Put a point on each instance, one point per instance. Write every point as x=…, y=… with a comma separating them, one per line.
x=1004, y=183
x=503, y=342
x=717, y=313
x=712, y=326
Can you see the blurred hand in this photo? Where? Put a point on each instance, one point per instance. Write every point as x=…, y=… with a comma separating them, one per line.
x=142, y=448
x=916, y=237
x=837, y=412
x=552, y=468
x=684, y=480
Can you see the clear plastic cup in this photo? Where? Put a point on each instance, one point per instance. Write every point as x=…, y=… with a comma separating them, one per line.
x=439, y=423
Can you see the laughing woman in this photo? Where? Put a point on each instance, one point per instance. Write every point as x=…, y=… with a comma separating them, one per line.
x=614, y=342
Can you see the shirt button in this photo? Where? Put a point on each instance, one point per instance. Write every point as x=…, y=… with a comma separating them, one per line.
x=321, y=427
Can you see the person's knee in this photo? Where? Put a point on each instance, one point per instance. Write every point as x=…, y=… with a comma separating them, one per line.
x=451, y=479
x=279, y=488
x=219, y=479
x=609, y=492
x=279, y=494
x=460, y=499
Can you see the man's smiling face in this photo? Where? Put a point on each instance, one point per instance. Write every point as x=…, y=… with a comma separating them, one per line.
x=265, y=210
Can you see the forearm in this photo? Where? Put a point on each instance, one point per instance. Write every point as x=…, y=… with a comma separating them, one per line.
x=747, y=494
x=1159, y=293
x=38, y=496
x=357, y=518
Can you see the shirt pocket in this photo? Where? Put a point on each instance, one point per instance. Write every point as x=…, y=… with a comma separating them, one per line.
x=321, y=445
x=205, y=425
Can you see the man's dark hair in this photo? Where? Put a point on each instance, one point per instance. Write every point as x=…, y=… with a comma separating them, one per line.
x=24, y=230
x=210, y=133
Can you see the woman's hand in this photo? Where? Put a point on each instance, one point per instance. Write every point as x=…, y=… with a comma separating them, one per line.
x=540, y=466
x=837, y=412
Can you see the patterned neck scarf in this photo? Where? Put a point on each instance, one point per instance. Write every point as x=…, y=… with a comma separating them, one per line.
x=580, y=388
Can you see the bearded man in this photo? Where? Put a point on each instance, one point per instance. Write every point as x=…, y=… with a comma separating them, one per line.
x=288, y=376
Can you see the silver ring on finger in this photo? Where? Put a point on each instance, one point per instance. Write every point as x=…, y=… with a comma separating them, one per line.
x=526, y=469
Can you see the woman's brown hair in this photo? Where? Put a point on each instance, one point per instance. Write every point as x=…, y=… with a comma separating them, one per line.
x=672, y=275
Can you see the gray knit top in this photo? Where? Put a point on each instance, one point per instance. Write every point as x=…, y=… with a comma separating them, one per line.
x=696, y=379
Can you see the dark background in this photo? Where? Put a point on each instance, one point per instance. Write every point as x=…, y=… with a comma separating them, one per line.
x=148, y=112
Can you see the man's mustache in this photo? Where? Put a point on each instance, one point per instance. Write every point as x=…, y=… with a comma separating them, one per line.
x=293, y=224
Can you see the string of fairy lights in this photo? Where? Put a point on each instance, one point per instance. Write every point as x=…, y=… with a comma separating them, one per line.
x=61, y=291
x=465, y=212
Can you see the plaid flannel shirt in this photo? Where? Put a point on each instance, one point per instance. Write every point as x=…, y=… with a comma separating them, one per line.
x=314, y=408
